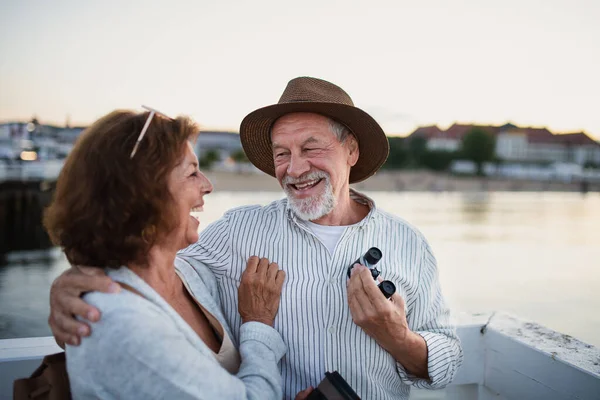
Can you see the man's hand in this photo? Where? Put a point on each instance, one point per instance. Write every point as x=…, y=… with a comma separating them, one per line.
x=66, y=302
x=385, y=321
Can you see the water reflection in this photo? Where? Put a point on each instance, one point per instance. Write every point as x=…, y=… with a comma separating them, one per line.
x=535, y=255
x=24, y=292
x=475, y=206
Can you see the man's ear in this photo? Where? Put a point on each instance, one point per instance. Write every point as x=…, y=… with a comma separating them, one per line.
x=353, y=151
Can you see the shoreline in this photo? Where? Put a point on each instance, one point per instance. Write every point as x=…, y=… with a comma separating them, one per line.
x=403, y=181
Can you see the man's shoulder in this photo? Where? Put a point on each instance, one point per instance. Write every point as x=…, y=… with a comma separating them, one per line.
x=256, y=210
x=395, y=222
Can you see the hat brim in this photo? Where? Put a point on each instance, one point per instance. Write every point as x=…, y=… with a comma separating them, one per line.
x=372, y=142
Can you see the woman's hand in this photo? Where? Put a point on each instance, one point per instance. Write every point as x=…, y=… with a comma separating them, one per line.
x=260, y=291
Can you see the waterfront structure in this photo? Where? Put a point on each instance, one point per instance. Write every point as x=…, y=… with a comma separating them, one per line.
x=36, y=142
x=56, y=142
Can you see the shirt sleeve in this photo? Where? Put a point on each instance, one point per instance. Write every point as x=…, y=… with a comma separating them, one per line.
x=137, y=355
x=430, y=318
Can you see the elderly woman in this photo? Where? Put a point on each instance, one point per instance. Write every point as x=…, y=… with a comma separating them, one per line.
x=126, y=201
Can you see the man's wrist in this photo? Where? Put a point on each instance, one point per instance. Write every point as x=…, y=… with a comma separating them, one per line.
x=412, y=354
x=402, y=342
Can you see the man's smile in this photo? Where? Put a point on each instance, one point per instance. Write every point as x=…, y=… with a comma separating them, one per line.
x=306, y=188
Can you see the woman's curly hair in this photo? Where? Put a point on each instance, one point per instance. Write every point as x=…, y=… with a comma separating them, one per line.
x=108, y=208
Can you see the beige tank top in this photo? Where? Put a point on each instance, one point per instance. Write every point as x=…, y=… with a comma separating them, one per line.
x=228, y=356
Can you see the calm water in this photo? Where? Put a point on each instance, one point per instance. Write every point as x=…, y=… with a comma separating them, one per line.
x=534, y=255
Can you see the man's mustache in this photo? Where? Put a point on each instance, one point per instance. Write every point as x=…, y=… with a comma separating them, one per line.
x=288, y=180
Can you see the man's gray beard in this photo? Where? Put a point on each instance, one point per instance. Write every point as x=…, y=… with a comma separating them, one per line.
x=315, y=207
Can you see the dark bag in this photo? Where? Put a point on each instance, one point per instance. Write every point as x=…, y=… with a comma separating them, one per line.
x=333, y=387
x=48, y=382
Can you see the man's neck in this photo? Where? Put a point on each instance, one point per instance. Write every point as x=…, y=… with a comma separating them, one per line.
x=346, y=212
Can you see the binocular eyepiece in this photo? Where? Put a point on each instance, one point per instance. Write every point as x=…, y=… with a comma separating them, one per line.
x=369, y=259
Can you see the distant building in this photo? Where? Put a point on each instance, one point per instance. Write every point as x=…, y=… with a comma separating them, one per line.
x=519, y=144
x=4, y=131
x=437, y=139
x=13, y=136
x=14, y=131
x=580, y=148
x=223, y=142
x=68, y=135
x=528, y=144
x=57, y=142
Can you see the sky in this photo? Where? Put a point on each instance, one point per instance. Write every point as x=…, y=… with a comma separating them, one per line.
x=407, y=63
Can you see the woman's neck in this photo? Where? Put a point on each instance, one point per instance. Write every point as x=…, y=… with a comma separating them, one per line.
x=159, y=271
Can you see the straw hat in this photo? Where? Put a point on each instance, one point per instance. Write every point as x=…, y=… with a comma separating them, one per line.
x=313, y=95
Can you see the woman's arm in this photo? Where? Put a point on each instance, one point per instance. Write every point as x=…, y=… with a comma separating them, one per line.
x=141, y=354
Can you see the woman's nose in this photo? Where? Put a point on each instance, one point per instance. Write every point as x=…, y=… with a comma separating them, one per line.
x=206, y=186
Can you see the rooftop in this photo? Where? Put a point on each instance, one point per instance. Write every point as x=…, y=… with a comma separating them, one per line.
x=534, y=134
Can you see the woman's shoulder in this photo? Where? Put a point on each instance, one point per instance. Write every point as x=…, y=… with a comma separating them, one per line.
x=131, y=307
x=132, y=334
x=197, y=274
x=123, y=315
x=135, y=294
x=124, y=301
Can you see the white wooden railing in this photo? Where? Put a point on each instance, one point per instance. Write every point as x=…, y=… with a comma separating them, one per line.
x=504, y=359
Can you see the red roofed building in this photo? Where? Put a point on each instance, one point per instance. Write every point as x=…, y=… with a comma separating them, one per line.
x=580, y=147
x=528, y=144
x=518, y=144
x=450, y=139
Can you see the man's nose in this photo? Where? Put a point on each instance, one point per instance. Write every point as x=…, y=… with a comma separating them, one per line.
x=298, y=166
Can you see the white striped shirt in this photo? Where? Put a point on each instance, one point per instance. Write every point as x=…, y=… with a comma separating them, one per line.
x=314, y=317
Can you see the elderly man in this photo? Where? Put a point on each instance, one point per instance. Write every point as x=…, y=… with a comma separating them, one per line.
x=316, y=143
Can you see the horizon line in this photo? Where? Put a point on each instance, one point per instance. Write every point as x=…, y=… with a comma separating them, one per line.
x=392, y=134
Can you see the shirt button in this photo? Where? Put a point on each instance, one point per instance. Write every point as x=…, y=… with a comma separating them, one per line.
x=332, y=281
x=331, y=329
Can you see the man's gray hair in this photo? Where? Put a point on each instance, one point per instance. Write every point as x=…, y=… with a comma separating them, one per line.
x=340, y=130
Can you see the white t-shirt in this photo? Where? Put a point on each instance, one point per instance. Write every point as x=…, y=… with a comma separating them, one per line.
x=329, y=235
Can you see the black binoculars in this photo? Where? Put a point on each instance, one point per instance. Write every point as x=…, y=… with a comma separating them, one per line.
x=369, y=259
